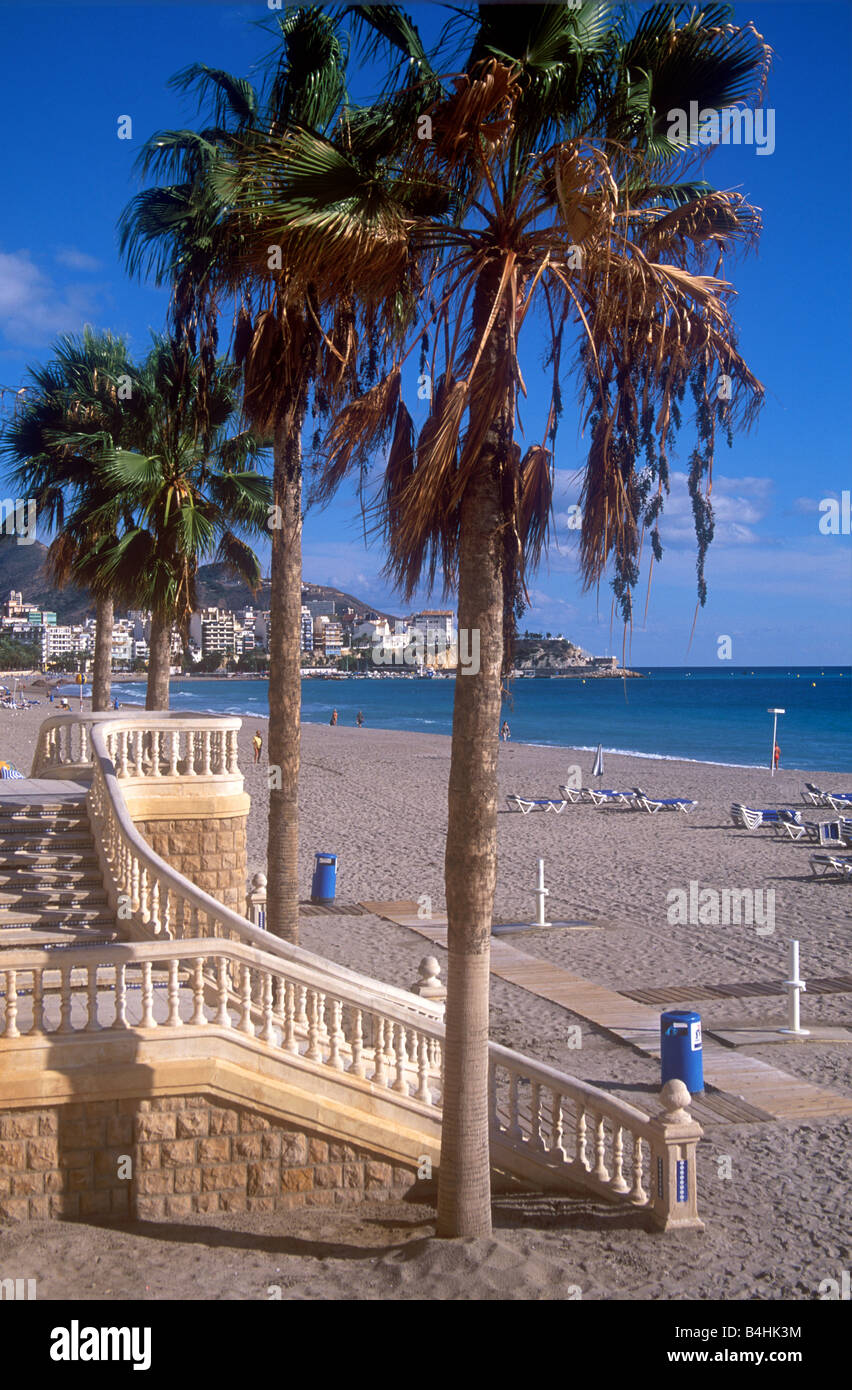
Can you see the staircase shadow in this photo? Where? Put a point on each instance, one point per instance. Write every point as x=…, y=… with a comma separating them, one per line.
x=219, y=1238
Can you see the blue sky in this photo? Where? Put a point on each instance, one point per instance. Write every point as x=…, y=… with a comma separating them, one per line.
x=779, y=589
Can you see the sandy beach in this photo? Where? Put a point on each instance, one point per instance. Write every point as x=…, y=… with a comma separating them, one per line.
x=776, y=1227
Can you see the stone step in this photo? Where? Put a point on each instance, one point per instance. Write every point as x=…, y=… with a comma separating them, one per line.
x=55, y=916
x=41, y=825
x=51, y=896
x=47, y=859
x=73, y=839
x=49, y=876
x=47, y=936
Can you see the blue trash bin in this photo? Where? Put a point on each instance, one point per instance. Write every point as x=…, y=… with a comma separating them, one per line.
x=680, y=1049
x=324, y=880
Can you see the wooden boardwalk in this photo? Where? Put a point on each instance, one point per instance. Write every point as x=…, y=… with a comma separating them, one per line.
x=776, y=1093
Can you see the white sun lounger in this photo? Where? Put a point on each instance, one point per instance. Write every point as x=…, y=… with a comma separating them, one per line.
x=607, y=797
x=525, y=804
x=825, y=865
x=666, y=803
x=750, y=819
x=576, y=794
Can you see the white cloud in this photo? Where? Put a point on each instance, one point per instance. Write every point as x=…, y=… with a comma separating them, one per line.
x=77, y=260
x=32, y=309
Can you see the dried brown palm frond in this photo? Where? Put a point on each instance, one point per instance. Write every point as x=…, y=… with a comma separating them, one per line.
x=357, y=431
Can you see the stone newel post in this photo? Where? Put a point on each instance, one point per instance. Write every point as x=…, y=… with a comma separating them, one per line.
x=674, y=1140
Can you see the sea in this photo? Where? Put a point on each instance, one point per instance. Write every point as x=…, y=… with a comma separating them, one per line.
x=700, y=713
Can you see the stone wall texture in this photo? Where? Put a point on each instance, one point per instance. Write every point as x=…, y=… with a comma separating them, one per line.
x=187, y=1155
x=211, y=853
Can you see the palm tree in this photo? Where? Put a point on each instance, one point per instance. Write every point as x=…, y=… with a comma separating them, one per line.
x=73, y=414
x=188, y=233
x=192, y=493
x=566, y=206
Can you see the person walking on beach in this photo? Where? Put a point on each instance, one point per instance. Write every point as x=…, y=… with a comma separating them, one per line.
x=333, y=720
x=505, y=732
x=257, y=744
x=777, y=756
x=359, y=720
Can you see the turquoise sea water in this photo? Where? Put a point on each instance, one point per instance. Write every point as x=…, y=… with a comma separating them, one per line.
x=700, y=713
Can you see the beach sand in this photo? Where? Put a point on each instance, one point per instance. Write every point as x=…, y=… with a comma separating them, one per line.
x=776, y=1227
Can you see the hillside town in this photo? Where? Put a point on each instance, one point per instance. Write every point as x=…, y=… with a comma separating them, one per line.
x=336, y=636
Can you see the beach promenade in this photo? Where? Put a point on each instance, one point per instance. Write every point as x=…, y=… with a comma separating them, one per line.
x=378, y=801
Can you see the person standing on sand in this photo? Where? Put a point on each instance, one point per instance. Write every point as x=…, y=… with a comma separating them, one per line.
x=359, y=720
x=777, y=756
x=257, y=744
x=333, y=720
x=505, y=732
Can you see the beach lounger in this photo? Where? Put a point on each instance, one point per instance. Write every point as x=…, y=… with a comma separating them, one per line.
x=606, y=797
x=575, y=794
x=748, y=818
x=666, y=803
x=826, y=833
x=825, y=865
x=839, y=801
x=525, y=804
x=814, y=795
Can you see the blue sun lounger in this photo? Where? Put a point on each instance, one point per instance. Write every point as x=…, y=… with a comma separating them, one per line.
x=525, y=804
x=823, y=865
x=839, y=801
x=606, y=796
x=666, y=803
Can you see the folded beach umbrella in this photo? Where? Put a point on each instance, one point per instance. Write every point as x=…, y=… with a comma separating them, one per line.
x=597, y=770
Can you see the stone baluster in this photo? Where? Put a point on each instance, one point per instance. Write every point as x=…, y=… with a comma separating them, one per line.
x=173, y=737
x=336, y=1037
x=314, y=1052
x=205, y=743
x=148, y=1020
x=267, y=1032
x=379, y=1074
x=120, y=996
x=600, y=1172
x=143, y=892
x=637, y=1191
x=190, y=753
x=357, y=1064
x=121, y=770
x=64, y=999
x=135, y=887
x=536, y=1137
x=38, y=1000
x=514, y=1131
x=422, y=1053
x=401, y=1084
x=557, y=1132
x=85, y=750
x=280, y=992
x=198, y=1016
x=233, y=752
x=245, y=1024
x=301, y=1012
x=92, y=1024
x=291, y=1043
x=155, y=905
x=156, y=771
x=12, y=1030
x=174, y=1019
x=618, y=1184
x=580, y=1136
x=223, y=1018
x=193, y=921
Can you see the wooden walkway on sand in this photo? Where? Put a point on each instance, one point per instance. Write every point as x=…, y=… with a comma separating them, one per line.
x=777, y=1094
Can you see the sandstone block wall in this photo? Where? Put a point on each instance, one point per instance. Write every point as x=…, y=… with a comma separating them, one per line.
x=188, y=1154
x=210, y=852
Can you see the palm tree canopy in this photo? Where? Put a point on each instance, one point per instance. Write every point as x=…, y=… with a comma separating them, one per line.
x=194, y=494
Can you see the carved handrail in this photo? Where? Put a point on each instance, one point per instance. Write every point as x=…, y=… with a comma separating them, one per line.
x=155, y=743
x=150, y=893
x=285, y=1005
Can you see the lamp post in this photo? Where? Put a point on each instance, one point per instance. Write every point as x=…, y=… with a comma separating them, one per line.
x=775, y=713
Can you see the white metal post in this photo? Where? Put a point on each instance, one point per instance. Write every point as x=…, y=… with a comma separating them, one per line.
x=794, y=986
x=541, y=893
x=775, y=713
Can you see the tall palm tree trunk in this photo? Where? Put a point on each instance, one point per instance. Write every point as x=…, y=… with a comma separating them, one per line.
x=464, y=1188
x=104, y=615
x=159, y=662
x=285, y=680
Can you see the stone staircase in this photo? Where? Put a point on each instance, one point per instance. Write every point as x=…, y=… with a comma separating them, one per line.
x=51, y=889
